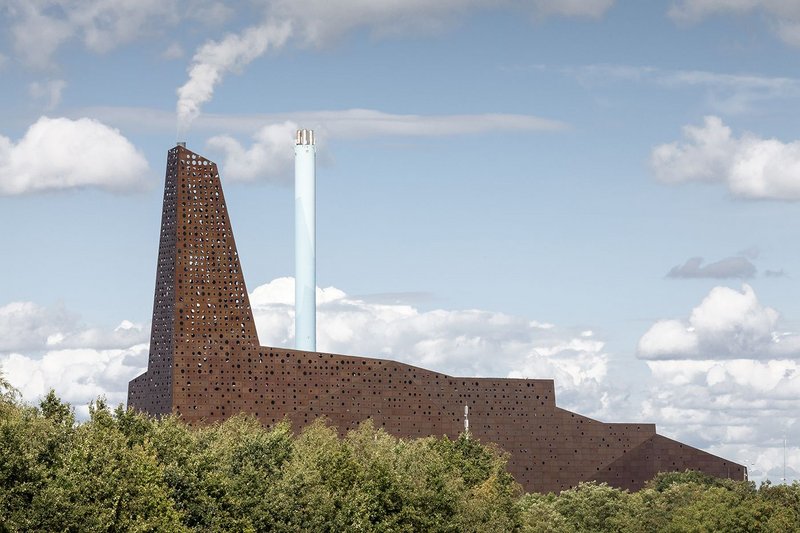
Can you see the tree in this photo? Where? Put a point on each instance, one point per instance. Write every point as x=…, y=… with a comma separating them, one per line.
x=538, y=514
x=29, y=448
x=59, y=413
x=8, y=393
x=103, y=484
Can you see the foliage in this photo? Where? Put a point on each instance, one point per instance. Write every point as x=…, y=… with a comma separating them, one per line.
x=124, y=471
x=672, y=502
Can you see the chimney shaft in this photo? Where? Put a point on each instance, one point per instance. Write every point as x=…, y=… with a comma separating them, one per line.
x=305, y=297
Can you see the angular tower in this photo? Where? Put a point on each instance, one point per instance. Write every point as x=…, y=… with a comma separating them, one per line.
x=201, y=310
x=206, y=364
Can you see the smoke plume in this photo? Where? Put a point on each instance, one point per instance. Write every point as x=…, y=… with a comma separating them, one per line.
x=216, y=58
x=316, y=23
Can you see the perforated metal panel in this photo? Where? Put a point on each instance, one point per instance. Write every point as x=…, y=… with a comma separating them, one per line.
x=206, y=364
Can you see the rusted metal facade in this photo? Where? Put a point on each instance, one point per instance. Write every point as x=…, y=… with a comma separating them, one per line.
x=206, y=364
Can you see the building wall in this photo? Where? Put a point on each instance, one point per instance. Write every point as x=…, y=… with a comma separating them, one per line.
x=206, y=364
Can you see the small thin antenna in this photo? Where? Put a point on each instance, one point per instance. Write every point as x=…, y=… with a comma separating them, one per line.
x=784, y=458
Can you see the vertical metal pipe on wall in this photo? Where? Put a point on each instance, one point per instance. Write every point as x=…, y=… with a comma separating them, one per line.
x=305, y=298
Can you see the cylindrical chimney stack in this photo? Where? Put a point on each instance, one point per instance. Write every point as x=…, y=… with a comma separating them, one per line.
x=305, y=297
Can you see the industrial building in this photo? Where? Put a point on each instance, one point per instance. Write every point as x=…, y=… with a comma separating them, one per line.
x=206, y=364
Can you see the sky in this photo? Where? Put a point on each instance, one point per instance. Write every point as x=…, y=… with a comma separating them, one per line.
x=603, y=192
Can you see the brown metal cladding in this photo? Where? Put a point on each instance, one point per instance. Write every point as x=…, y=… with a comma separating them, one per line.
x=206, y=364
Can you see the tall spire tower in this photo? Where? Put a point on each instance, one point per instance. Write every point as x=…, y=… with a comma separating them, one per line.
x=201, y=309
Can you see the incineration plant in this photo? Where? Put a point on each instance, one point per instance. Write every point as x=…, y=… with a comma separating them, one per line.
x=206, y=364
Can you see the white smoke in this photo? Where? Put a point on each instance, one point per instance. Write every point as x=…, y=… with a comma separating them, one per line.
x=216, y=58
x=316, y=23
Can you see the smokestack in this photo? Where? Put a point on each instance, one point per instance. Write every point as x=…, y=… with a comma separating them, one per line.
x=305, y=279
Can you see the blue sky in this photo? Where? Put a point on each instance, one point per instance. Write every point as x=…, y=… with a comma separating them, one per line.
x=504, y=188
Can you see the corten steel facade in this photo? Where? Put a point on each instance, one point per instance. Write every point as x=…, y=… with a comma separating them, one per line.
x=206, y=364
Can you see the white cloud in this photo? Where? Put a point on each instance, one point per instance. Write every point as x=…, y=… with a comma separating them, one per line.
x=269, y=158
x=39, y=28
x=26, y=326
x=104, y=25
x=727, y=324
x=49, y=92
x=59, y=153
x=36, y=35
x=727, y=380
x=48, y=347
x=751, y=167
x=738, y=408
x=467, y=342
x=783, y=15
x=78, y=376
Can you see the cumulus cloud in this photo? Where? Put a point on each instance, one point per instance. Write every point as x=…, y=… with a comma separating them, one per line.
x=783, y=15
x=730, y=267
x=26, y=326
x=739, y=408
x=48, y=347
x=78, y=376
x=467, y=342
x=269, y=158
x=751, y=167
x=727, y=380
x=60, y=153
x=727, y=324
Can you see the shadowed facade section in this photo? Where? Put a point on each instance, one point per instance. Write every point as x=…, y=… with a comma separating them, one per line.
x=206, y=364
